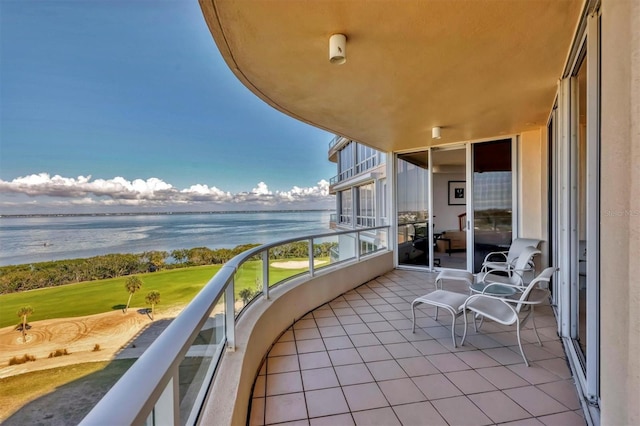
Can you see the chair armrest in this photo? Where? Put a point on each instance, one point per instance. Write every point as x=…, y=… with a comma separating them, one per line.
x=520, y=272
x=495, y=253
x=483, y=275
x=496, y=284
x=541, y=297
x=486, y=296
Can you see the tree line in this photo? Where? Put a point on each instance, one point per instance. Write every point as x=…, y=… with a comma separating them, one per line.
x=16, y=278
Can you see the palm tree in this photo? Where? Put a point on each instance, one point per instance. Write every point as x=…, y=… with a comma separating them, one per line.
x=153, y=298
x=246, y=295
x=23, y=313
x=132, y=285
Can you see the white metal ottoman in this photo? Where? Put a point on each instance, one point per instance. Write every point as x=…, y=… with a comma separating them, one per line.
x=449, y=300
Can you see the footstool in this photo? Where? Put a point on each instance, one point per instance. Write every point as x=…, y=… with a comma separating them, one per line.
x=449, y=300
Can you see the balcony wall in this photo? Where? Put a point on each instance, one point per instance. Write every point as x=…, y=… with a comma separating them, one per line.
x=264, y=321
x=620, y=213
x=533, y=202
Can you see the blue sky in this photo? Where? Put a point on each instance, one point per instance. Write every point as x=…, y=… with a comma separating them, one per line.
x=128, y=105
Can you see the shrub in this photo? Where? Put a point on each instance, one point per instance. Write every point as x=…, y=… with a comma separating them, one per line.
x=96, y=347
x=21, y=360
x=58, y=352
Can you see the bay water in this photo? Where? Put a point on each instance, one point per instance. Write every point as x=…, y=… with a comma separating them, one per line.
x=30, y=239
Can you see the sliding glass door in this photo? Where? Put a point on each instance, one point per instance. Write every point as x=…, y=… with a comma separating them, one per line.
x=492, y=198
x=575, y=235
x=412, y=205
x=450, y=195
x=455, y=204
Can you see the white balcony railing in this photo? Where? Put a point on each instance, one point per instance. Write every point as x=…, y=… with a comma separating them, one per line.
x=169, y=382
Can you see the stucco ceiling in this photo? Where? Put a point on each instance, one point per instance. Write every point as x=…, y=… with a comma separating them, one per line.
x=476, y=68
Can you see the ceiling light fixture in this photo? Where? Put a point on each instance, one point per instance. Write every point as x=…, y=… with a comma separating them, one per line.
x=338, y=49
x=435, y=133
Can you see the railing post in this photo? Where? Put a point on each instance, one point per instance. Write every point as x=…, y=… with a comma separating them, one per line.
x=167, y=409
x=358, y=246
x=230, y=314
x=265, y=274
x=311, y=260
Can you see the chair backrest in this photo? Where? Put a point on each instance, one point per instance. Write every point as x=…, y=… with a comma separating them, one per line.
x=518, y=245
x=544, y=276
x=522, y=263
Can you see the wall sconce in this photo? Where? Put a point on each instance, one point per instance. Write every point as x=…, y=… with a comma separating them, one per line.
x=435, y=133
x=338, y=49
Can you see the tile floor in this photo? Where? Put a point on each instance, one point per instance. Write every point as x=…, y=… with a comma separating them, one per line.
x=355, y=361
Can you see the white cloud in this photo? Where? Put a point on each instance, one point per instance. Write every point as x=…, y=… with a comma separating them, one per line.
x=58, y=191
x=262, y=189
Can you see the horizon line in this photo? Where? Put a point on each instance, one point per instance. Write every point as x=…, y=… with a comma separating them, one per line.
x=167, y=213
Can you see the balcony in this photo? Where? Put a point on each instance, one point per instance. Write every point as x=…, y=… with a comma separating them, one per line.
x=321, y=347
x=210, y=354
x=355, y=360
x=335, y=144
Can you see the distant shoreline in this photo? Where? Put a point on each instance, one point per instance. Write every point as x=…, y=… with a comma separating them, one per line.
x=11, y=216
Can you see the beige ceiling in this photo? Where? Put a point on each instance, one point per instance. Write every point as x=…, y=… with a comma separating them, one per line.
x=477, y=68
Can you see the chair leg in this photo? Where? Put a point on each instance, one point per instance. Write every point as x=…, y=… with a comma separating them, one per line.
x=520, y=344
x=436, y=313
x=413, y=316
x=464, y=335
x=535, y=330
x=453, y=330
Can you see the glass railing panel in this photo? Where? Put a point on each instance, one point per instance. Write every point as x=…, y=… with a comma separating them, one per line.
x=288, y=260
x=199, y=363
x=382, y=239
x=345, y=249
x=323, y=252
x=189, y=353
x=372, y=241
x=248, y=282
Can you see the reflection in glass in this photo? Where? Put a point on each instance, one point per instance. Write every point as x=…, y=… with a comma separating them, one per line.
x=413, y=208
x=248, y=283
x=450, y=194
x=199, y=363
x=582, y=207
x=492, y=198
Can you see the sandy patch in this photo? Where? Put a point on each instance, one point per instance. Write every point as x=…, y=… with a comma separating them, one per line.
x=296, y=264
x=113, y=331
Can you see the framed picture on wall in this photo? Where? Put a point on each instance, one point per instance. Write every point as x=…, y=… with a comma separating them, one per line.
x=457, y=193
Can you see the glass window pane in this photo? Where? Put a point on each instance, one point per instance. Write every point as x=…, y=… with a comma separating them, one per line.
x=413, y=207
x=450, y=196
x=492, y=198
x=581, y=158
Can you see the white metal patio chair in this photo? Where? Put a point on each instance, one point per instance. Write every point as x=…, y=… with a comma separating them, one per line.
x=508, y=311
x=505, y=260
x=506, y=285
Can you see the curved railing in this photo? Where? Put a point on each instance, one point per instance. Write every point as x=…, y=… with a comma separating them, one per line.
x=334, y=140
x=168, y=383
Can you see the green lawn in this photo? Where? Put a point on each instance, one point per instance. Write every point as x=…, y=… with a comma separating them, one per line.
x=62, y=395
x=177, y=287
x=65, y=395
